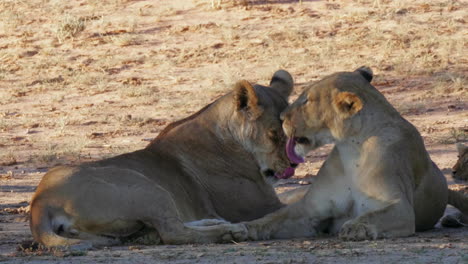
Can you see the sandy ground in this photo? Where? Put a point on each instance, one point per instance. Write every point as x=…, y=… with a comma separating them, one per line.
x=85, y=80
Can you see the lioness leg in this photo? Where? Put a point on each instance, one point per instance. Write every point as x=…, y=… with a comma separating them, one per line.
x=457, y=213
x=395, y=219
x=288, y=222
x=293, y=196
x=453, y=218
x=302, y=218
x=155, y=208
x=179, y=233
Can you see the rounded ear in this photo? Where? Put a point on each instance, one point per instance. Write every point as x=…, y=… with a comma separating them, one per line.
x=347, y=103
x=282, y=82
x=461, y=148
x=246, y=100
x=366, y=72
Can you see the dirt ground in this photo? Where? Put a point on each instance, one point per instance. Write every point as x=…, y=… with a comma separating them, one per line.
x=84, y=80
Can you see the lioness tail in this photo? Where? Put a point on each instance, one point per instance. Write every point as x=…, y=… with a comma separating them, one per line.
x=42, y=228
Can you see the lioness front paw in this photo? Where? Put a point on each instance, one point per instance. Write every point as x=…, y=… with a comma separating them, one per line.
x=235, y=232
x=357, y=231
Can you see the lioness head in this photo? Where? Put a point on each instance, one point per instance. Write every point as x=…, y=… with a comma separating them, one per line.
x=460, y=169
x=328, y=110
x=257, y=111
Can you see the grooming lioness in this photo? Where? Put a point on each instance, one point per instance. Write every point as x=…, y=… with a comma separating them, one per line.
x=213, y=164
x=378, y=180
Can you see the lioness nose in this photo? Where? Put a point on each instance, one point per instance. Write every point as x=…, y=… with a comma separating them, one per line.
x=269, y=173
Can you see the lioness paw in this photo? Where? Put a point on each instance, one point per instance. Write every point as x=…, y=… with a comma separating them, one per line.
x=357, y=231
x=235, y=232
x=452, y=221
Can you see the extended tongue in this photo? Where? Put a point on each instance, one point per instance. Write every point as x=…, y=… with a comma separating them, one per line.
x=293, y=157
x=287, y=173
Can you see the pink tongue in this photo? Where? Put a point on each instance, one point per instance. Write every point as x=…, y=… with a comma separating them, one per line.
x=287, y=173
x=293, y=157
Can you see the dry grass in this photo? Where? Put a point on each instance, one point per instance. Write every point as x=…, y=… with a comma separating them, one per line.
x=69, y=27
x=124, y=40
x=447, y=83
x=454, y=135
x=73, y=63
x=406, y=108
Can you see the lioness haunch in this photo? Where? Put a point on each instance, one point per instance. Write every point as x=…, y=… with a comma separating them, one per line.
x=213, y=164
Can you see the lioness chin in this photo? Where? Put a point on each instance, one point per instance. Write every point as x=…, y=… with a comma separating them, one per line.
x=213, y=164
x=378, y=180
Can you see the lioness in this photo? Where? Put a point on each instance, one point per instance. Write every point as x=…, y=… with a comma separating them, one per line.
x=213, y=164
x=378, y=180
x=460, y=169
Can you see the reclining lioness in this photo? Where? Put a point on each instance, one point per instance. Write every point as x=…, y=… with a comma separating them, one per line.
x=213, y=164
x=378, y=180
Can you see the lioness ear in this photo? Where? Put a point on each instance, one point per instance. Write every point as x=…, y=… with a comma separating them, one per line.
x=246, y=99
x=347, y=103
x=461, y=148
x=366, y=72
x=282, y=82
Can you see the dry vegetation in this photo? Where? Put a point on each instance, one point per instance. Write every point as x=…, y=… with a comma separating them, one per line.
x=82, y=80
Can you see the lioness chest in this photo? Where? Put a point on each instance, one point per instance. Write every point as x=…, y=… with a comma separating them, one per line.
x=358, y=197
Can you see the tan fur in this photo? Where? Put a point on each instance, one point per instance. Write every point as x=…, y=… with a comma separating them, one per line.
x=460, y=169
x=244, y=90
x=347, y=103
x=208, y=165
x=378, y=180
